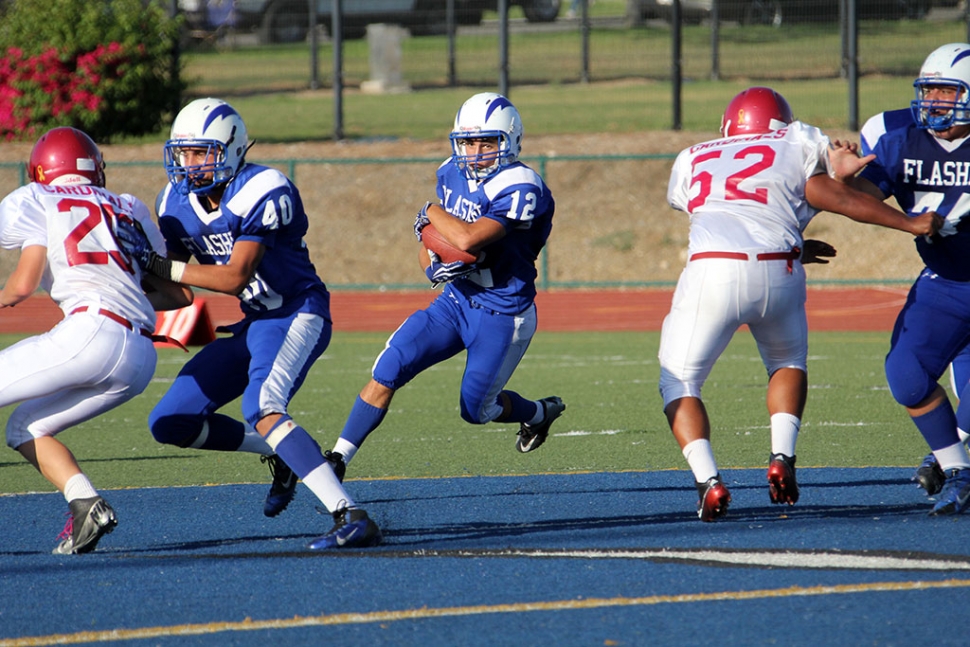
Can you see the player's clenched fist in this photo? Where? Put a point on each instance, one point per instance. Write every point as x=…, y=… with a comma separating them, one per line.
x=926, y=224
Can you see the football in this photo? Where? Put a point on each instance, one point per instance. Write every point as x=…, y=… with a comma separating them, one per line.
x=447, y=252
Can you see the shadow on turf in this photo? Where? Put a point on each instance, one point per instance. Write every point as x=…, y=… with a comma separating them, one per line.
x=498, y=534
x=116, y=459
x=685, y=487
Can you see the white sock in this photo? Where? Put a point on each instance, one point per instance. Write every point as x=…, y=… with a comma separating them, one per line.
x=953, y=457
x=700, y=458
x=323, y=483
x=254, y=443
x=784, y=433
x=346, y=449
x=79, y=487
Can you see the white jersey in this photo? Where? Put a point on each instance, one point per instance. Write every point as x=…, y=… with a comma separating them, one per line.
x=85, y=265
x=747, y=193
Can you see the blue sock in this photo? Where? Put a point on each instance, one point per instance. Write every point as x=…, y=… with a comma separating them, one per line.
x=362, y=420
x=522, y=410
x=294, y=445
x=939, y=426
x=963, y=410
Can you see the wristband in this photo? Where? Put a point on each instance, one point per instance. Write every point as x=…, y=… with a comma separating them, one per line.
x=166, y=269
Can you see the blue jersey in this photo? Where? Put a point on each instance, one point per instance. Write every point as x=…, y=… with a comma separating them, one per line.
x=517, y=198
x=924, y=173
x=259, y=204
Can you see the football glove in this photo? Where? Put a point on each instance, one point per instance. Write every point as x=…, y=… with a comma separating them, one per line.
x=132, y=239
x=421, y=220
x=439, y=272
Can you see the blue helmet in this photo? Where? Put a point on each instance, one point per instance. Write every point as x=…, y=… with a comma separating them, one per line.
x=948, y=65
x=485, y=116
x=210, y=124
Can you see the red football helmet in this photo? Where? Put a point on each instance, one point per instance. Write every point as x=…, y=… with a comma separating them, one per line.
x=65, y=156
x=755, y=111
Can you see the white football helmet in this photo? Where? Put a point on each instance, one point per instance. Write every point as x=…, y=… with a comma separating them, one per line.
x=485, y=116
x=213, y=125
x=948, y=65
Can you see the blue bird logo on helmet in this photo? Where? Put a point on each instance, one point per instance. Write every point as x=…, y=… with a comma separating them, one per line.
x=486, y=116
x=213, y=129
x=947, y=66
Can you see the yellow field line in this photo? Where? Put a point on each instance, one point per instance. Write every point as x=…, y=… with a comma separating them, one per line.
x=424, y=612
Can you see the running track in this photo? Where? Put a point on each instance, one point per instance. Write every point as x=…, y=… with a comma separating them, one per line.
x=829, y=309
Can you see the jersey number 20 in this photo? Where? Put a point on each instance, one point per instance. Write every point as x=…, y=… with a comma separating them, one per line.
x=97, y=214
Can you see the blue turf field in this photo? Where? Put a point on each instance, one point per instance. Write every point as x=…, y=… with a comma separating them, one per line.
x=581, y=559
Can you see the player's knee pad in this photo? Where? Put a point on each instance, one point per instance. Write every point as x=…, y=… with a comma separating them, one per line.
x=17, y=436
x=477, y=412
x=908, y=381
x=176, y=429
x=674, y=388
x=22, y=427
x=387, y=368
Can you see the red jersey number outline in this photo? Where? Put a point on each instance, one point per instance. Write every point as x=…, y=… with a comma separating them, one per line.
x=732, y=185
x=105, y=214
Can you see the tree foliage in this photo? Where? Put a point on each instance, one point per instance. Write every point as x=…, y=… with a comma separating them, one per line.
x=104, y=66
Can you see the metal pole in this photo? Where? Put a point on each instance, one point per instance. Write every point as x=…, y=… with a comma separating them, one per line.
x=844, y=38
x=716, y=40
x=337, y=36
x=675, y=63
x=852, y=28
x=314, y=45
x=450, y=21
x=176, y=55
x=503, y=47
x=585, y=36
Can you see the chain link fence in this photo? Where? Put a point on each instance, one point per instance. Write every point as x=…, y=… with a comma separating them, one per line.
x=621, y=39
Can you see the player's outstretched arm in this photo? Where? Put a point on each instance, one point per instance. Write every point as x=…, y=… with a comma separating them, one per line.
x=827, y=194
x=25, y=279
x=231, y=278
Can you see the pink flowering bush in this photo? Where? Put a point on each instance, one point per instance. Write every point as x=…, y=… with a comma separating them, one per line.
x=47, y=90
x=106, y=68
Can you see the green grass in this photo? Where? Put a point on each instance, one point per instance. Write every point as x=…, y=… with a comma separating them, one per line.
x=556, y=110
x=629, y=72
x=613, y=421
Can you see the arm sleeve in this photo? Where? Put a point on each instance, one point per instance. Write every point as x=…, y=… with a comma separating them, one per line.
x=22, y=221
x=677, y=187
